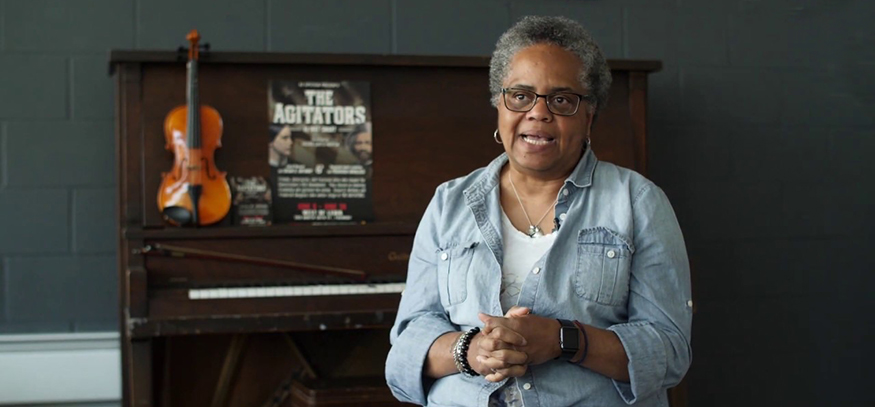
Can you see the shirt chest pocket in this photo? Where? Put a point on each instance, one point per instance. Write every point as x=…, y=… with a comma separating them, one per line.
x=604, y=261
x=452, y=266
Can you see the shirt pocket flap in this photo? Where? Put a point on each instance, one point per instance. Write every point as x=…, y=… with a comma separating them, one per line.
x=453, y=263
x=601, y=236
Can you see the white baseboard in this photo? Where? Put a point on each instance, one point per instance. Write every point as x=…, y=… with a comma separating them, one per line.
x=60, y=368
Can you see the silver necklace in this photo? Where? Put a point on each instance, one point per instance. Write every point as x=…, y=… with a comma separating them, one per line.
x=534, y=229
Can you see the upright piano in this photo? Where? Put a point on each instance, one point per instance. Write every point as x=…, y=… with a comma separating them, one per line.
x=211, y=332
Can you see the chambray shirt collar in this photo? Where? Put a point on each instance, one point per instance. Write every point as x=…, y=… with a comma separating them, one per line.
x=580, y=177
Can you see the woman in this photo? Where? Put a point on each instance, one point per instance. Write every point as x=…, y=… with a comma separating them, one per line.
x=280, y=146
x=547, y=278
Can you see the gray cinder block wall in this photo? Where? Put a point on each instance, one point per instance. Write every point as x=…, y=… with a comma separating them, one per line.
x=762, y=136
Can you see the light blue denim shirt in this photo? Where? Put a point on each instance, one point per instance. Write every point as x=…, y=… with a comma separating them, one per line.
x=618, y=263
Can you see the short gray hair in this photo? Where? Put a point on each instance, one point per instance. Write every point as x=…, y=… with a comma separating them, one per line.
x=562, y=32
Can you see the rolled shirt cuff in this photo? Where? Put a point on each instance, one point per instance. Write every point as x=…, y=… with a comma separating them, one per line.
x=647, y=360
x=408, y=355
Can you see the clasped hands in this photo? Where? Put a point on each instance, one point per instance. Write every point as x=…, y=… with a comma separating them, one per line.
x=507, y=345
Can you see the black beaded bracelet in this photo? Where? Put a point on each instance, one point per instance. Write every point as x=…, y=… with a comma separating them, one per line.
x=460, y=352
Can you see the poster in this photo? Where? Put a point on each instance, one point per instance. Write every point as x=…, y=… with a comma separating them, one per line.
x=251, y=203
x=320, y=151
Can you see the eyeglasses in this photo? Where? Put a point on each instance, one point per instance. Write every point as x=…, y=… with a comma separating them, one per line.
x=561, y=103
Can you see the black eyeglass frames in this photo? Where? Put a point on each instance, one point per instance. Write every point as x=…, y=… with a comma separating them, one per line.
x=560, y=103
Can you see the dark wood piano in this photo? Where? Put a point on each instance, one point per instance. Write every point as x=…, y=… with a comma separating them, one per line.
x=274, y=335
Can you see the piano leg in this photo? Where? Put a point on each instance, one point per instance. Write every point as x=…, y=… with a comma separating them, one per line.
x=140, y=374
x=229, y=370
x=296, y=351
x=162, y=351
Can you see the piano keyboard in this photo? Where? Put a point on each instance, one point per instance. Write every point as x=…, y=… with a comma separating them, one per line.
x=293, y=291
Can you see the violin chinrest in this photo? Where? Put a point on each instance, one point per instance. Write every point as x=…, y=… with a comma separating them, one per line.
x=178, y=215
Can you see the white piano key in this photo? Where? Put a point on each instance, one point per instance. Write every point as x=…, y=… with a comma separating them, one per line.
x=295, y=291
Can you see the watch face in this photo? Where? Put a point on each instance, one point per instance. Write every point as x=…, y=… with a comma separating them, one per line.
x=569, y=340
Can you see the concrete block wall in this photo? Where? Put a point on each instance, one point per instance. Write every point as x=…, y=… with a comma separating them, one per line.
x=762, y=134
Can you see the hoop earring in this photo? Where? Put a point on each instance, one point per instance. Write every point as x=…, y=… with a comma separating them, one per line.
x=496, y=137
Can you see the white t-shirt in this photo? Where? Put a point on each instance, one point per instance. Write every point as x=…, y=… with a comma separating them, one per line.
x=521, y=252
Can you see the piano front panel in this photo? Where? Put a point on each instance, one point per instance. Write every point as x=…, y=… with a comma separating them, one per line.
x=383, y=258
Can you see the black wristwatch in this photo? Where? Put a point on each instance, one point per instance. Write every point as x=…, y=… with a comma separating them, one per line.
x=569, y=339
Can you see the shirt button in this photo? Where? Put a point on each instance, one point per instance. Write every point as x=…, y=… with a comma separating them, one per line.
x=565, y=192
x=562, y=216
x=444, y=256
x=612, y=254
x=690, y=303
x=527, y=386
x=536, y=270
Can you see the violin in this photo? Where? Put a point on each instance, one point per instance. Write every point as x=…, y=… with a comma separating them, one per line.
x=194, y=192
